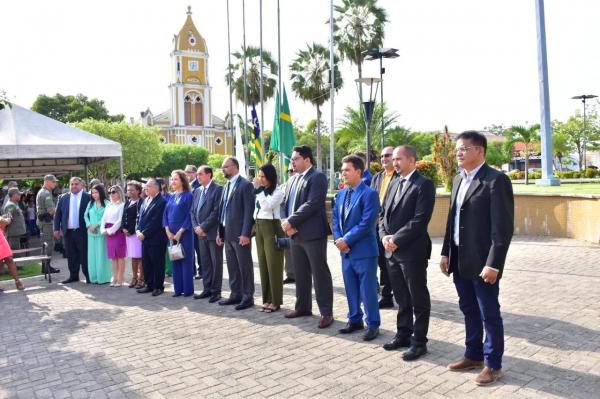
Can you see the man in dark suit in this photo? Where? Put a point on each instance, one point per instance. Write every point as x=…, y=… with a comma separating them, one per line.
x=69, y=222
x=354, y=222
x=380, y=183
x=306, y=222
x=403, y=231
x=149, y=230
x=205, y=221
x=478, y=233
x=236, y=218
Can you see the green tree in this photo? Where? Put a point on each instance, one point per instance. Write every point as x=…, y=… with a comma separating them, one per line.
x=139, y=144
x=176, y=156
x=526, y=135
x=252, y=58
x=444, y=156
x=561, y=145
x=582, y=139
x=69, y=108
x=422, y=141
x=496, y=155
x=309, y=73
x=358, y=26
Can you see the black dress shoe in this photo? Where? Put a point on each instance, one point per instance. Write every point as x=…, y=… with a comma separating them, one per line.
x=244, y=305
x=214, y=298
x=144, y=290
x=68, y=281
x=396, y=343
x=157, y=292
x=198, y=277
x=371, y=334
x=350, y=328
x=386, y=303
x=230, y=301
x=289, y=280
x=414, y=352
x=202, y=295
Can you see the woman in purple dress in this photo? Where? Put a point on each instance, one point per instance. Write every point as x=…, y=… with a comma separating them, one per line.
x=178, y=226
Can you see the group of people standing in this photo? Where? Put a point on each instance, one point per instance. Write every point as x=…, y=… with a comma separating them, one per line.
x=384, y=223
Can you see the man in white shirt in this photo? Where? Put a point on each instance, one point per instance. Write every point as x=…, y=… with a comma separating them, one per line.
x=478, y=233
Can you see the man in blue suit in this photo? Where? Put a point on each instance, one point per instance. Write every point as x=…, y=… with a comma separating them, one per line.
x=70, y=224
x=354, y=231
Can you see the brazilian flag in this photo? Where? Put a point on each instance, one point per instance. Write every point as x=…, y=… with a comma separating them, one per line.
x=283, y=139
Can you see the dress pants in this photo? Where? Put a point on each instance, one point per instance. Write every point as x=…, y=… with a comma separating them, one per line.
x=409, y=283
x=211, y=256
x=289, y=264
x=153, y=259
x=360, y=282
x=478, y=301
x=197, y=257
x=46, y=235
x=241, y=271
x=310, y=265
x=76, y=248
x=270, y=260
x=384, y=279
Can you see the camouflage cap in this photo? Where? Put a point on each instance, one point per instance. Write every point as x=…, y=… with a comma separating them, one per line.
x=50, y=178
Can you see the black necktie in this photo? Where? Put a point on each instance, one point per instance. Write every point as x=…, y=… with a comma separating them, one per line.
x=347, y=203
x=399, y=192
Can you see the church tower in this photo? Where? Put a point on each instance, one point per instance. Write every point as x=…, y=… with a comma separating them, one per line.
x=190, y=119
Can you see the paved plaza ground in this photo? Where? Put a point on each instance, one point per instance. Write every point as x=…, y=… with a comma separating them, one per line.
x=80, y=341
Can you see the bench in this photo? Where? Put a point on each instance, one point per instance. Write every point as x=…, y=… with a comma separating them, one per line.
x=42, y=257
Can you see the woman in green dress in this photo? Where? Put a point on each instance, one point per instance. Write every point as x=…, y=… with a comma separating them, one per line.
x=99, y=265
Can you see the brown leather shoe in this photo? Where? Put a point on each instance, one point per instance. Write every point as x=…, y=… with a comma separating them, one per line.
x=465, y=364
x=325, y=321
x=298, y=313
x=488, y=376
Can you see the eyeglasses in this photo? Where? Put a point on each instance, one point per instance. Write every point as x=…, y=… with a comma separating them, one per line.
x=465, y=149
x=386, y=155
x=291, y=171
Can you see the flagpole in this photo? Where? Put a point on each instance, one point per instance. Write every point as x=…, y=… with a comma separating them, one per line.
x=245, y=90
x=230, y=88
x=280, y=96
x=262, y=111
x=331, y=96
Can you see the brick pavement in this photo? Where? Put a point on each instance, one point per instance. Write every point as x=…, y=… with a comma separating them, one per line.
x=80, y=341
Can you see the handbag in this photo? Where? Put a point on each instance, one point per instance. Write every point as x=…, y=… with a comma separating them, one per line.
x=176, y=251
x=282, y=243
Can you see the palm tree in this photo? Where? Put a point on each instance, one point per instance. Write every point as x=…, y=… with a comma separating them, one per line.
x=358, y=26
x=253, y=75
x=310, y=81
x=527, y=136
x=353, y=126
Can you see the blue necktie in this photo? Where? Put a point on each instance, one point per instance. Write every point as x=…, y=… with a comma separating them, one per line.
x=292, y=198
x=202, y=197
x=74, y=212
x=225, y=204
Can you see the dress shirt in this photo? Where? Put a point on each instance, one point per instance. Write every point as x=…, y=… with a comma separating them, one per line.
x=387, y=177
x=227, y=190
x=73, y=221
x=113, y=214
x=268, y=206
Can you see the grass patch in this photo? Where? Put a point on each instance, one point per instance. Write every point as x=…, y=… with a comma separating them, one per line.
x=31, y=269
x=564, y=188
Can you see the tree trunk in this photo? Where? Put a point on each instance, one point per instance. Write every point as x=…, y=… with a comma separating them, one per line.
x=579, y=155
x=319, y=145
x=360, y=93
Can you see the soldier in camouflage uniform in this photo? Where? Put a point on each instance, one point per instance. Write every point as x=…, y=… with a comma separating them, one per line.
x=16, y=229
x=46, y=207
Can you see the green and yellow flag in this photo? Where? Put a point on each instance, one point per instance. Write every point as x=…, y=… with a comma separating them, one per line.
x=283, y=139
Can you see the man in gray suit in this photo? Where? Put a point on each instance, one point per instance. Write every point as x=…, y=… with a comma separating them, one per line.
x=235, y=225
x=205, y=221
x=306, y=223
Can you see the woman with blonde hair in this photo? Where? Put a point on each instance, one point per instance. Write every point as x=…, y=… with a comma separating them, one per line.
x=115, y=239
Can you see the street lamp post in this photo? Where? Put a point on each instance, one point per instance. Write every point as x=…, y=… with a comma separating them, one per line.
x=380, y=54
x=369, y=106
x=583, y=99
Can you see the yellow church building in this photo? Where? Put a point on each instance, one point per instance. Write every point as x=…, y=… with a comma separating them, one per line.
x=190, y=119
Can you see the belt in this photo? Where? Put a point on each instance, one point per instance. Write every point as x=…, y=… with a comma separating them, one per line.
x=77, y=229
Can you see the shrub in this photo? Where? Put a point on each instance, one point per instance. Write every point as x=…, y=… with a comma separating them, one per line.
x=590, y=173
x=429, y=169
x=516, y=175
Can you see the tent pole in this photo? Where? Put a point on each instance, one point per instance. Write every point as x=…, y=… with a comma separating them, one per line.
x=121, y=171
x=86, y=172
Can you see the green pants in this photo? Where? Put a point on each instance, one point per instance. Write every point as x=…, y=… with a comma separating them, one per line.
x=270, y=260
x=46, y=235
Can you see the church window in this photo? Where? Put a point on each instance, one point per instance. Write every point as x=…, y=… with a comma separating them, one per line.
x=198, y=114
x=219, y=141
x=193, y=65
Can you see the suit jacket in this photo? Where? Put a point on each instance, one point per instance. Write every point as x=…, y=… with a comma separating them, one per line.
x=486, y=223
x=239, y=215
x=309, y=216
x=130, y=213
x=149, y=221
x=408, y=218
x=207, y=217
x=358, y=228
x=378, y=179
x=61, y=217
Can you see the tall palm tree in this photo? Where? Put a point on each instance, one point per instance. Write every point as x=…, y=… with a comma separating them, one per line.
x=310, y=81
x=353, y=126
x=270, y=68
x=358, y=26
x=526, y=135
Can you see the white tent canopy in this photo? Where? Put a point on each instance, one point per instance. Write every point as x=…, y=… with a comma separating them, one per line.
x=33, y=145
